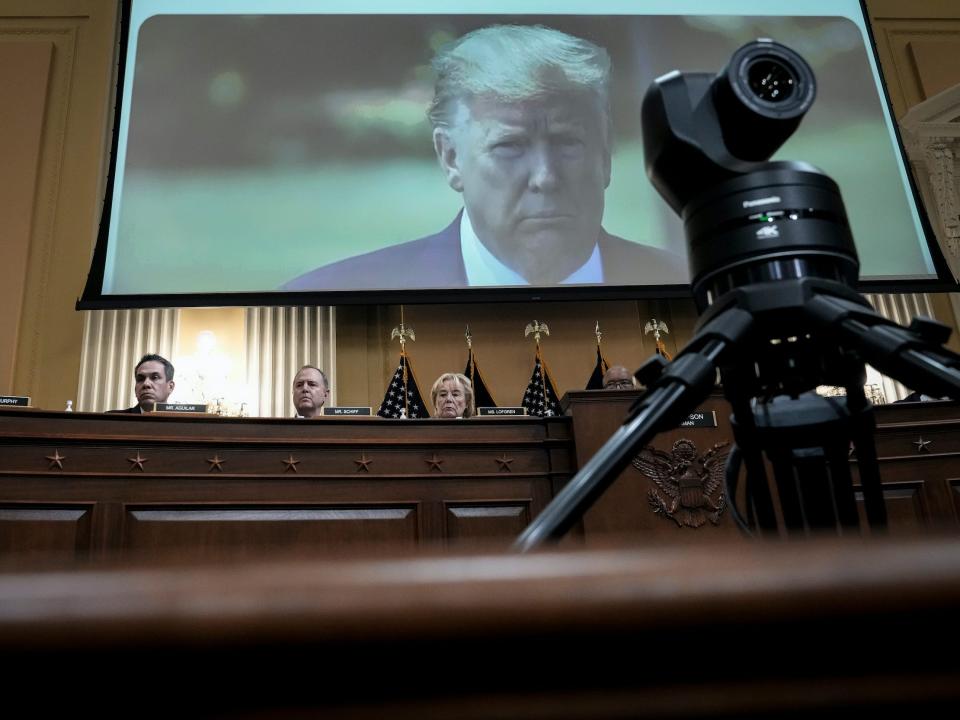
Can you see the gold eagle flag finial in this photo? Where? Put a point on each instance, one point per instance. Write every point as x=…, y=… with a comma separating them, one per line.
x=656, y=327
x=403, y=332
x=596, y=331
x=469, y=338
x=536, y=327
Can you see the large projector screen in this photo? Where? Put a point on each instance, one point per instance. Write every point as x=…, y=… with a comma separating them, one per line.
x=280, y=151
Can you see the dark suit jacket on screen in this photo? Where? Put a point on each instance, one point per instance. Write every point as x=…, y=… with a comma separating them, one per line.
x=135, y=410
x=436, y=261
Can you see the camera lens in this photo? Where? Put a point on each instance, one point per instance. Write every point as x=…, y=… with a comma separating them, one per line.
x=760, y=98
x=770, y=80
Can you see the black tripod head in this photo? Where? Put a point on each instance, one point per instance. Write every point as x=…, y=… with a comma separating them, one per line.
x=708, y=141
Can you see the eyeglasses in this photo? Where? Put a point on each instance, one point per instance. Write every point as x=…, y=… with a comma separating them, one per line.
x=625, y=384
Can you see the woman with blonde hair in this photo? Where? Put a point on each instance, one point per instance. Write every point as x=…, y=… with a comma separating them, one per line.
x=452, y=396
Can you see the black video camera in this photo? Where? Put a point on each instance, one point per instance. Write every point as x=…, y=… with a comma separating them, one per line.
x=707, y=143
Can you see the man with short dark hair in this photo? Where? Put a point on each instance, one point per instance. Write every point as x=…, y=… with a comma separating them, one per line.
x=153, y=383
x=310, y=390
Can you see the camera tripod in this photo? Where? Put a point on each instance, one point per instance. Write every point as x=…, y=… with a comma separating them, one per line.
x=807, y=438
x=773, y=268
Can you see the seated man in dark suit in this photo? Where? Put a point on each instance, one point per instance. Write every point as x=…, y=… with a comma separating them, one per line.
x=153, y=383
x=521, y=128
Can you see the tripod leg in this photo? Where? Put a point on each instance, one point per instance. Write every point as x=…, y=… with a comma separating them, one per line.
x=760, y=510
x=816, y=488
x=842, y=486
x=789, y=489
x=863, y=428
x=806, y=439
x=910, y=355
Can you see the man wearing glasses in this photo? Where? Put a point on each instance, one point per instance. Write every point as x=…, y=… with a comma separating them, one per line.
x=617, y=377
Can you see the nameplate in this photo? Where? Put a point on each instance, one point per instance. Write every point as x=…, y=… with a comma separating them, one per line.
x=344, y=410
x=14, y=401
x=501, y=411
x=701, y=418
x=179, y=408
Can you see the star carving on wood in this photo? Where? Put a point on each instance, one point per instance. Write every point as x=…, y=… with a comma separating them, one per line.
x=363, y=463
x=434, y=462
x=216, y=463
x=922, y=444
x=504, y=462
x=137, y=462
x=291, y=463
x=56, y=460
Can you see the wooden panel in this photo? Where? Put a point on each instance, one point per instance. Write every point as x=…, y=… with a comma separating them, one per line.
x=627, y=507
x=904, y=33
x=918, y=446
x=24, y=79
x=53, y=531
x=907, y=512
x=936, y=63
x=201, y=485
x=759, y=630
x=282, y=482
x=485, y=521
x=954, y=485
x=257, y=528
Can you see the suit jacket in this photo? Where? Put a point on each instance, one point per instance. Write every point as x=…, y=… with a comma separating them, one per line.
x=436, y=261
x=135, y=410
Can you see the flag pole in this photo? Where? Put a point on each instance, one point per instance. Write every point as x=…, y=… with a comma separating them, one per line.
x=603, y=361
x=537, y=327
x=403, y=332
x=403, y=359
x=470, y=360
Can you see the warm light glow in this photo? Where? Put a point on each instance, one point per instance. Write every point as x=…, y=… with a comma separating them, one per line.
x=206, y=342
x=210, y=369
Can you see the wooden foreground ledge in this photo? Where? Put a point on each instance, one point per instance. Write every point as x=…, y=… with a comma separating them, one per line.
x=742, y=629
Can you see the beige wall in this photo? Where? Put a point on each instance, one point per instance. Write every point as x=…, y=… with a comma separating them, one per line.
x=366, y=357
x=24, y=78
x=56, y=61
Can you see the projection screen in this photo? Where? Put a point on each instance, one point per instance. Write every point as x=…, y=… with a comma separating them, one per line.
x=270, y=152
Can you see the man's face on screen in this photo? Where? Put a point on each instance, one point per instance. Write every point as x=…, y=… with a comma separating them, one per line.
x=533, y=174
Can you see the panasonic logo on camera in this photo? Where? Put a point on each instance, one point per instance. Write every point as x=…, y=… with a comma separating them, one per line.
x=761, y=201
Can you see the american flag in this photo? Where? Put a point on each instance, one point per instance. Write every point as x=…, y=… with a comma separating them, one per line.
x=541, y=396
x=481, y=394
x=393, y=405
